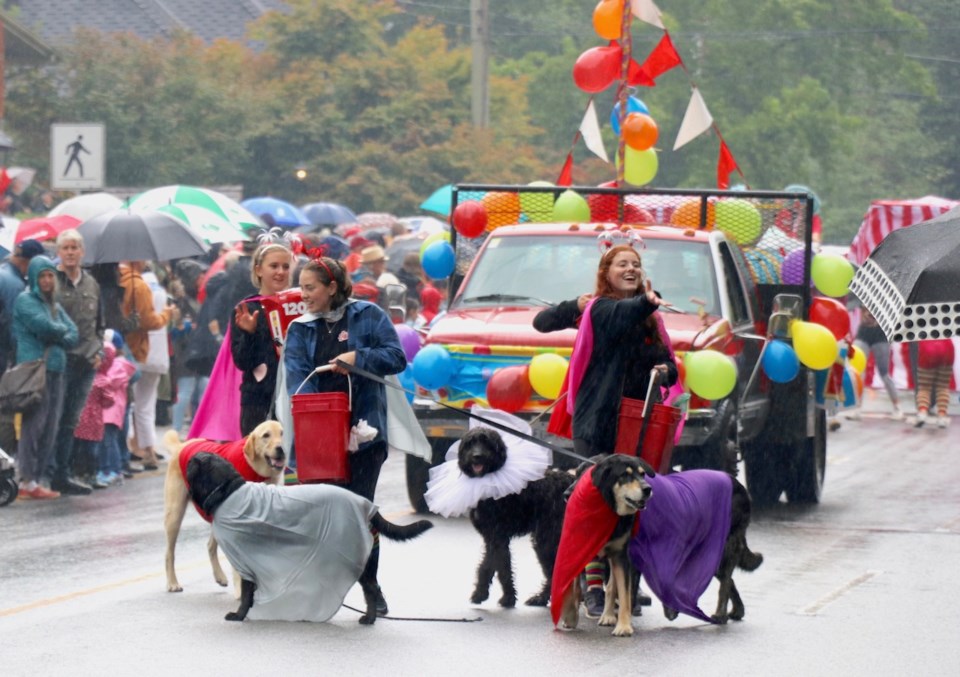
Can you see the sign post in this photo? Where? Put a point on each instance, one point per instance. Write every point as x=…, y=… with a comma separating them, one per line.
x=77, y=156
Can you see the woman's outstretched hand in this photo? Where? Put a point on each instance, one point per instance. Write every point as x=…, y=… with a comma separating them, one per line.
x=652, y=295
x=245, y=319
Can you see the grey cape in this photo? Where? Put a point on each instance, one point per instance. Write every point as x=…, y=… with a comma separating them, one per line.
x=304, y=546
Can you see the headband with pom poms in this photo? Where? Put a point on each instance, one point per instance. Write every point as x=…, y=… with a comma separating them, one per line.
x=609, y=239
x=276, y=235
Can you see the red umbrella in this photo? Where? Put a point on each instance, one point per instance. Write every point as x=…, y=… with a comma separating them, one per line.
x=45, y=227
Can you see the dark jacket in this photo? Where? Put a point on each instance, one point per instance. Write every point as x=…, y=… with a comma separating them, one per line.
x=82, y=303
x=623, y=354
x=373, y=337
x=250, y=351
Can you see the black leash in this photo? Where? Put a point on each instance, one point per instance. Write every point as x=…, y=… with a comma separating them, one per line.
x=424, y=620
x=463, y=412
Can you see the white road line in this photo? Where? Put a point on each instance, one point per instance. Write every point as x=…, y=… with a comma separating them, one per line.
x=815, y=608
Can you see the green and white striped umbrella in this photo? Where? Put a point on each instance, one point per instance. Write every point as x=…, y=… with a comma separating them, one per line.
x=205, y=223
x=218, y=203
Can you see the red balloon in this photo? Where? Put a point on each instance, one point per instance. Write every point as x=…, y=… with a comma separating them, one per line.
x=831, y=314
x=470, y=218
x=509, y=388
x=635, y=214
x=597, y=68
x=605, y=208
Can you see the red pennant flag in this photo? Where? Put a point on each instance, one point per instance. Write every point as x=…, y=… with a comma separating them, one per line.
x=725, y=165
x=566, y=174
x=661, y=59
x=637, y=77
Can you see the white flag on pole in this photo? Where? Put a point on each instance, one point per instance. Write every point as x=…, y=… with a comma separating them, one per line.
x=696, y=120
x=647, y=11
x=590, y=130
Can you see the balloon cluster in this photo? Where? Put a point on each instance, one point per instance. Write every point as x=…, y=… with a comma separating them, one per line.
x=640, y=133
x=510, y=388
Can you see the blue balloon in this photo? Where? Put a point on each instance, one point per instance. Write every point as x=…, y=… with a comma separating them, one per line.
x=432, y=367
x=438, y=260
x=634, y=105
x=780, y=362
x=408, y=382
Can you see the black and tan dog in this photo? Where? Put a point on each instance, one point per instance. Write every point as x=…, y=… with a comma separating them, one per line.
x=537, y=511
x=599, y=520
x=213, y=481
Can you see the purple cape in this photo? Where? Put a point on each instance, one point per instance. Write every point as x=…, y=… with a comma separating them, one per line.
x=682, y=535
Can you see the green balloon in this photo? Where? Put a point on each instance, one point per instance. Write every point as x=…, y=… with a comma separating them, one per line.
x=570, y=206
x=640, y=166
x=740, y=220
x=442, y=235
x=710, y=375
x=537, y=206
x=831, y=274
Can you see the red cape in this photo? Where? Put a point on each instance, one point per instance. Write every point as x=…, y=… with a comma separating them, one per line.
x=588, y=524
x=232, y=451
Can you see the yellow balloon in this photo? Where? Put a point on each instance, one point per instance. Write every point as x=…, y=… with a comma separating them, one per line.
x=443, y=235
x=859, y=360
x=815, y=345
x=547, y=372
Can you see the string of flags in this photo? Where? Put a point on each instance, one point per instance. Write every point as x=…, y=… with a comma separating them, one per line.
x=598, y=67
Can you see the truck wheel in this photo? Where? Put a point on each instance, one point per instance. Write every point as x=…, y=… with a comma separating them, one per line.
x=8, y=490
x=764, y=476
x=418, y=472
x=805, y=485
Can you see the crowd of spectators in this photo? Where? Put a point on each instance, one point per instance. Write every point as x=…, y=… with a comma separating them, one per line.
x=131, y=346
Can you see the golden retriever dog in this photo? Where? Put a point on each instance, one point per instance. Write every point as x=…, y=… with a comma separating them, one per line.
x=258, y=457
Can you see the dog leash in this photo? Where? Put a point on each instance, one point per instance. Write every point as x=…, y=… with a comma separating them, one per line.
x=424, y=620
x=463, y=412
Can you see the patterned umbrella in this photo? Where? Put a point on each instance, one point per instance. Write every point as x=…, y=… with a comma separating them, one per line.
x=124, y=235
x=439, y=201
x=216, y=202
x=208, y=225
x=911, y=281
x=283, y=213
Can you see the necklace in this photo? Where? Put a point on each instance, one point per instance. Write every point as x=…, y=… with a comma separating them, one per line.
x=330, y=325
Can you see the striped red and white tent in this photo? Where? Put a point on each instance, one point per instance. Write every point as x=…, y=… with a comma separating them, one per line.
x=885, y=216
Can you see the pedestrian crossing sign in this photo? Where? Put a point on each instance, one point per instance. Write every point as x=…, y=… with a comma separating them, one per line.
x=77, y=156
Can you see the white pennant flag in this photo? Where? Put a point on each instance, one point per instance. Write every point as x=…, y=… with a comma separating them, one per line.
x=590, y=130
x=696, y=120
x=647, y=11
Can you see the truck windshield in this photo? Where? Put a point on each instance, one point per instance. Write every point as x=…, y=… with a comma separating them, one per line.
x=537, y=270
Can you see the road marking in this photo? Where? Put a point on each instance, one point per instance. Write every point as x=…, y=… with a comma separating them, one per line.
x=815, y=608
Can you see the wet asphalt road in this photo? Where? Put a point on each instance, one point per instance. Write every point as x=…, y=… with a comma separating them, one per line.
x=865, y=583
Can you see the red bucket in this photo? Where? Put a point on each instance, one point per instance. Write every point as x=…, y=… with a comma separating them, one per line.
x=321, y=429
x=658, y=437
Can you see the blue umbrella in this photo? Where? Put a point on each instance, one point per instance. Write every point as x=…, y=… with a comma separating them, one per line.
x=282, y=213
x=328, y=214
x=439, y=201
x=334, y=247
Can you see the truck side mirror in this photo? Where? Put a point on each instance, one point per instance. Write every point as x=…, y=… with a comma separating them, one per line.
x=785, y=309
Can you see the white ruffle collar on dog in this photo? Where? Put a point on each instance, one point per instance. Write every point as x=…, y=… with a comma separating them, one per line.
x=450, y=493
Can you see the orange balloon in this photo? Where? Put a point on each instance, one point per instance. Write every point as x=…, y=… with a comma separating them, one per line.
x=608, y=19
x=503, y=209
x=640, y=131
x=688, y=214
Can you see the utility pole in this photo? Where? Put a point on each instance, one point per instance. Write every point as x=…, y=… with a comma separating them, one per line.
x=480, y=71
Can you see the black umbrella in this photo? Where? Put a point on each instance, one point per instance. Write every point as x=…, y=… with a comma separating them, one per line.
x=122, y=235
x=911, y=281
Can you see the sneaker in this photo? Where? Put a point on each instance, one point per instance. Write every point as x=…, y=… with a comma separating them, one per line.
x=942, y=421
x=833, y=426
x=382, y=608
x=43, y=492
x=921, y=418
x=897, y=415
x=71, y=487
x=853, y=415
x=133, y=469
x=24, y=493
x=593, y=600
x=95, y=482
x=103, y=478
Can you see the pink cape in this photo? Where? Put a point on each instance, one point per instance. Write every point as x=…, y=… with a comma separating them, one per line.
x=218, y=415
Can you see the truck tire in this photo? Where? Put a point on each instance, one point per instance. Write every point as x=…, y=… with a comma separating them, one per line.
x=805, y=484
x=418, y=472
x=721, y=452
x=763, y=468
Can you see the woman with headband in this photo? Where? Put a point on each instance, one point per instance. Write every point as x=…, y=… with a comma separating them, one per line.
x=618, y=343
x=251, y=342
x=338, y=328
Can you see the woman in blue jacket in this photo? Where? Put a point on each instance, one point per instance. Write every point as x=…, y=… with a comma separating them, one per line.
x=336, y=327
x=41, y=329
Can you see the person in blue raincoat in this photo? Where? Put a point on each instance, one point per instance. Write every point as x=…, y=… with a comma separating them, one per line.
x=41, y=329
x=336, y=327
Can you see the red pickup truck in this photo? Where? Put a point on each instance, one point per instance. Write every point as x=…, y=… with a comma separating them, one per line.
x=724, y=281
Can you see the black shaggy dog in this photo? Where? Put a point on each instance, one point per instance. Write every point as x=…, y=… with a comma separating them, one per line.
x=537, y=510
